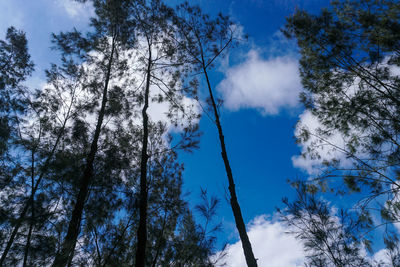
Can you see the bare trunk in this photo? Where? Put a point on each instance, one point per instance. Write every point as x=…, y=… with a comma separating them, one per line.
x=69, y=243
x=142, y=229
x=241, y=227
x=28, y=239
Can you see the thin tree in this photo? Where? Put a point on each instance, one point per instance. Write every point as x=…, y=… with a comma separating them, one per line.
x=162, y=69
x=15, y=67
x=204, y=40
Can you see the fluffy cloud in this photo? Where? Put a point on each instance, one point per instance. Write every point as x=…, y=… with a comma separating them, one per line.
x=324, y=149
x=77, y=10
x=268, y=85
x=271, y=244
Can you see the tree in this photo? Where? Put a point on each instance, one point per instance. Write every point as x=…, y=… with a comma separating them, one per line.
x=110, y=34
x=148, y=23
x=204, y=40
x=329, y=238
x=162, y=68
x=15, y=67
x=173, y=237
x=152, y=20
x=89, y=155
x=41, y=137
x=349, y=68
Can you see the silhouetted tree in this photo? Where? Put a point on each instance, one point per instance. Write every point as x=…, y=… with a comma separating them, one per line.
x=111, y=33
x=161, y=66
x=204, y=40
x=96, y=180
x=350, y=72
x=329, y=238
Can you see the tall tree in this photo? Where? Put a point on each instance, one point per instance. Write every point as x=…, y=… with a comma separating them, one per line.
x=162, y=69
x=350, y=72
x=110, y=34
x=204, y=40
x=15, y=67
x=41, y=130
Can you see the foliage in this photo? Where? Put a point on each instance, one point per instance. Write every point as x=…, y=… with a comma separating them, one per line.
x=349, y=68
x=87, y=117
x=330, y=238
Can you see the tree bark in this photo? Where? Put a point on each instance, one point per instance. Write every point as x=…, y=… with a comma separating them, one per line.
x=237, y=213
x=69, y=243
x=142, y=229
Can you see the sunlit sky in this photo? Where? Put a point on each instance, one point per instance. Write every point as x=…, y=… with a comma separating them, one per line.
x=260, y=85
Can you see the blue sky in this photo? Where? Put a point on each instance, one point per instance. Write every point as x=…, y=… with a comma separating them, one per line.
x=260, y=142
x=260, y=85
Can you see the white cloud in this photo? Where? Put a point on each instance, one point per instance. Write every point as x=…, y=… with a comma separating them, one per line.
x=159, y=111
x=268, y=85
x=323, y=149
x=77, y=10
x=272, y=246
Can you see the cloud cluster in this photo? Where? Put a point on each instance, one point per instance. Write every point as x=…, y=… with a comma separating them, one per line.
x=268, y=85
x=272, y=246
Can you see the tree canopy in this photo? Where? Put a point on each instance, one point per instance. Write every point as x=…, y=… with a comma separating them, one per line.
x=91, y=169
x=349, y=69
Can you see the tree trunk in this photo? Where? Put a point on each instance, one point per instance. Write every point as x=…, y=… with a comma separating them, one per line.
x=28, y=239
x=241, y=227
x=142, y=229
x=69, y=243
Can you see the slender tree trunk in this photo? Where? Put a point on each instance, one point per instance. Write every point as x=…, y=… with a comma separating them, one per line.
x=28, y=239
x=21, y=218
x=142, y=229
x=69, y=243
x=237, y=213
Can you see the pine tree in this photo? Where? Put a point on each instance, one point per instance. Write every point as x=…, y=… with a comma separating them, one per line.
x=349, y=69
x=162, y=70
x=329, y=238
x=110, y=35
x=204, y=40
x=82, y=138
x=15, y=67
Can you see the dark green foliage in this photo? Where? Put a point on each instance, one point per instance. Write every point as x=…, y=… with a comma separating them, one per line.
x=70, y=178
x=349, y=67
x=329, y=238
x=15, y=67
x=349, y=91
